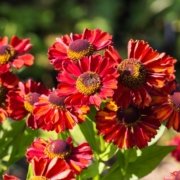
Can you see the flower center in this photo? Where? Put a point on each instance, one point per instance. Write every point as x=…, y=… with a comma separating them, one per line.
x=132, y=73
x=175, y=100
x=88, y=83
x=6, y=53
x=56, y=100
x=79, y=49
x=38, y=178
x=58, y=148
x=30, y=99
x=129, y=115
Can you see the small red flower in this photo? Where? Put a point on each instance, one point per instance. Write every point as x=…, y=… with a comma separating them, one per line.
x=10, y=177
x=7, y=82
x=126, y=127
x=77, y=46
x=176, y=142
x=143, y=70
x=88, y=82
x=54, y=169
x=174, y=176
x=15, y=53
x=51, y=113
x=21, y=100
x=77, y=158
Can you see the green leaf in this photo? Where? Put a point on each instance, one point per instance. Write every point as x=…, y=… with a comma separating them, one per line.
x=18, y=150
x=88, y=128
x=149, y=160
x=15, y=138
x=92, y=114
x=131, y=155
x=89, y=131
x=91, y=171
x=116, y=171
x=77, y=135
x=110, y=150
x=134, y=162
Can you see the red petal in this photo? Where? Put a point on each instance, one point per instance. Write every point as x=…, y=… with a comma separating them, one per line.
x=26, y=59
x=3, y=41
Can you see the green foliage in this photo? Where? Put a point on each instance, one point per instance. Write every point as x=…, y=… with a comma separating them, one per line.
x=149, y=160
x=137, y=163
x=15, y=138
x=117, y=170
x=88, y=130
x=92, y=171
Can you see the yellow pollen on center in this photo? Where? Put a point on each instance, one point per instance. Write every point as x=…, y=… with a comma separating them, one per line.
x=79, y=55
x=30, y=99
x=132, y=73
x=79, y=49
x=6, y=52
x=38, y=178
x=28, y=106
x=88, y=83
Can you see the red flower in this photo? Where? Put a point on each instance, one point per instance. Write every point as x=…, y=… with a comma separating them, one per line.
x=174, y=176
x=51, y=113
x=54, y=169
x=77, y=158
x=15, y=53
x=143, y=70
x=126, y=127
x=176, y=142
x=77, y=46
x=10, y=177
x=21, y=100
x=7, y=82
x=167, y=108
x=89, y=81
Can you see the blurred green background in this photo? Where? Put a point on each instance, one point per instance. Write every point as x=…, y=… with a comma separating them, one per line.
x=156, y=21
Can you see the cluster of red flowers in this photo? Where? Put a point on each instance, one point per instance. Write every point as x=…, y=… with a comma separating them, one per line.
x=138, y=93
x=13, y=55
